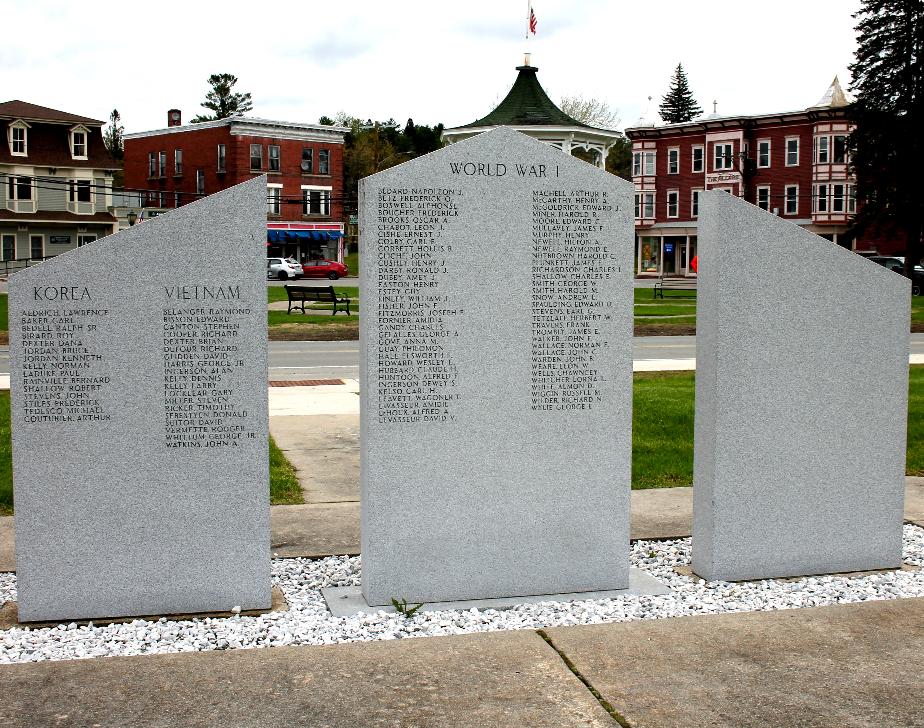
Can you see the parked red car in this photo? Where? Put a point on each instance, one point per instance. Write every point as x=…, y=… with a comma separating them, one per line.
x=325, y=269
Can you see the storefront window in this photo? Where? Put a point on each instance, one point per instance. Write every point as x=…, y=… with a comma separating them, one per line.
x=651, y=254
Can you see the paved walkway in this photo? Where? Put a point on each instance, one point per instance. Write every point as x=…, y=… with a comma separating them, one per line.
x=847, y=665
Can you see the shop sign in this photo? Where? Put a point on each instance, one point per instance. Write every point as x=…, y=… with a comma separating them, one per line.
x=723, y=178
x=60, y=239
x=668, y=248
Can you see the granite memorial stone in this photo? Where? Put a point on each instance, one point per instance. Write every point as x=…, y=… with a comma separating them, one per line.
x=139, y=418
x=496, y=368
x=801, y=401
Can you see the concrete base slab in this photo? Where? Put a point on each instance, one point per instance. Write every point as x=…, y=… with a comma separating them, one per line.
x=846, y=665
x=661, y=513
x=496, y=679
x=914, y=501
x=315, y=530
x=324, y=449
x=9, y=615
x=345, y=601
x=7, y=544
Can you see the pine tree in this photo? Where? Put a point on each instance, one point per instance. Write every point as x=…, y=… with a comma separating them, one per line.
x=887, y=146
x=112, y=136
x=678, y=104
x=222, y=101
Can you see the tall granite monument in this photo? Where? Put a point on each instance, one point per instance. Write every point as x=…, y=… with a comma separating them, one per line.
x=139, y=418
x=801, y=401
x=496, y=370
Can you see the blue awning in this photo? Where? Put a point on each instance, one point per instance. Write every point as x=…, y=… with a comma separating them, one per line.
x=294, y=236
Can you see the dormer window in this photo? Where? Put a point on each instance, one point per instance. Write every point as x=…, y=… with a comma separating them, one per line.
x=18, y=138
x=79, y=141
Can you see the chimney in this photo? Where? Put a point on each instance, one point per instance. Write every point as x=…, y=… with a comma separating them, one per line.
x=173, y=117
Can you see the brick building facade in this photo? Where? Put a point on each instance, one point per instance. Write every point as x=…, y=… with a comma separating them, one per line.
x=55, y=183
x=793, y=164
x=303, y=164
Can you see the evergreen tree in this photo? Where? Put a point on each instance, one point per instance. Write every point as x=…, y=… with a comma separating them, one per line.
x=112, y=136
x=678, y=104
x=222, y=101
x=887, y=146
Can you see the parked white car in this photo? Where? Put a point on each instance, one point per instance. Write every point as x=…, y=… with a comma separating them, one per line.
x=283, y=268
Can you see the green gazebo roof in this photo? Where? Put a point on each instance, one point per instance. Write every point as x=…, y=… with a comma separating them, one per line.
x=527, y=103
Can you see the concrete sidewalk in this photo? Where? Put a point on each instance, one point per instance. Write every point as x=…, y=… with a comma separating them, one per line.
x=846, y=665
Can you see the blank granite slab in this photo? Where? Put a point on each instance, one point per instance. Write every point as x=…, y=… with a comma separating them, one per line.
x=139, y=418
x=801, y=401
x=345, y=601
x=496, y=368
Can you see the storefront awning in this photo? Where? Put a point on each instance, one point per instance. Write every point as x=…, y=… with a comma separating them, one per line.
x=294, y=236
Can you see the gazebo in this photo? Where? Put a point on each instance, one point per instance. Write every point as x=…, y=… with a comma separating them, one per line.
x=527, y=108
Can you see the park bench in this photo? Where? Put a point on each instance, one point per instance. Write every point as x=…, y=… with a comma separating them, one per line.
x=673, y=283
x=300, y=295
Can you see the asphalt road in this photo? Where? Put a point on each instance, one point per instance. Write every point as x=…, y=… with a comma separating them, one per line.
x=340, y=359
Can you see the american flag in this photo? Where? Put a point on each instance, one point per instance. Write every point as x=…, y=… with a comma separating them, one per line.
x=532, y=20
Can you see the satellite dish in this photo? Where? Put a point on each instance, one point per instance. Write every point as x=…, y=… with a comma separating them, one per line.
x=306, y=166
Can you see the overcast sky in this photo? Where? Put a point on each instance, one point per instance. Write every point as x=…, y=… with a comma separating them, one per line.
x=433, y=61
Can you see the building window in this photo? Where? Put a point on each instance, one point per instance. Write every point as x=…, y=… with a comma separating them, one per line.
x=152, y=164
x=221, y=158
x=672, y=206
x=18, y=139
x=837, y=198
x=307, y=160
x=200, y=181
x=673, y=161
x=643, y=163
x=792, y=151
x=792, y=199
x=274, y=165
x=79, y=143
x=821, y=150
x=316, y=200
x=840, y=149
x=85, y=240
x=19, y=194
x=821, y=197
x=763, y=198
x=694, y=203
x=162, y=164
x=763, y=153
x=80, y=190
x=698, y=159
x=256, y=157
x=36, y=247
x=324, y=161
x=177, y=199
x=644, y=205
x=274, y=199
x=851, y=199
x=9, y=247
x=177, y=162
x=723, y=156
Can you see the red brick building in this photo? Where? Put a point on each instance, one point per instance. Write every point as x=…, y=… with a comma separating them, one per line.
x=303, y=164
x=794, y=164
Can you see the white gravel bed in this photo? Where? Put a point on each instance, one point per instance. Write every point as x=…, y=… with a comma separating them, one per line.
x=307, y=622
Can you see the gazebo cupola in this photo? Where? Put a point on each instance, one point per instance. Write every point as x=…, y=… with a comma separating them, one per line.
x=528, y=108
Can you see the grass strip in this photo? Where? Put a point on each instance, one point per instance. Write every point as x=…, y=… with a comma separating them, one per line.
x=4, y=312
x=284, y=486
x=278, y=293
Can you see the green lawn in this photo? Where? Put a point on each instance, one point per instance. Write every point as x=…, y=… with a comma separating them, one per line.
x=352, y=262
x=917, y=309
x=284, y=487
x=323, y=316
